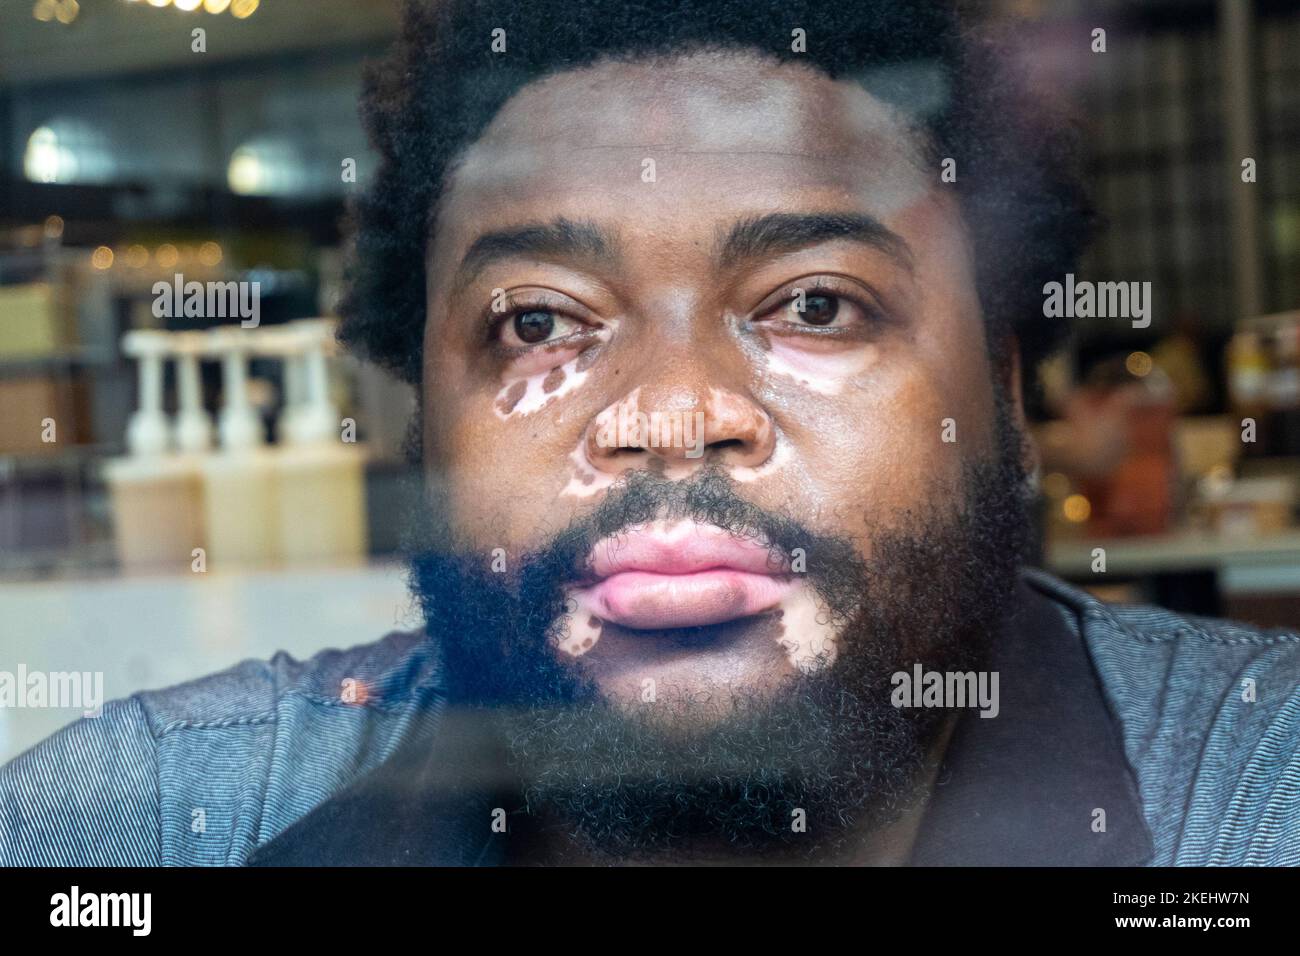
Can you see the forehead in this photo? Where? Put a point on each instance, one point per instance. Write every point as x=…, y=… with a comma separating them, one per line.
x=664, y=142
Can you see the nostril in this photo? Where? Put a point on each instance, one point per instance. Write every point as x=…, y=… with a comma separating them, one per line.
x=725, y=444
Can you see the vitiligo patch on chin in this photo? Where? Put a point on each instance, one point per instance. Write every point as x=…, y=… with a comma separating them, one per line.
x=524, y=396
x=809, y=641
x=581, y=632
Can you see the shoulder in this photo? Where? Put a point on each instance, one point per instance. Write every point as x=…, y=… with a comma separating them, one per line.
x=247, y=749
x=1210, y=716
x=61, y=800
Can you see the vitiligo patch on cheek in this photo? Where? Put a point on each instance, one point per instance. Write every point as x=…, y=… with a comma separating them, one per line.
x=585, y=480
x=808, y=639
x=824, y=374
x=525, y=395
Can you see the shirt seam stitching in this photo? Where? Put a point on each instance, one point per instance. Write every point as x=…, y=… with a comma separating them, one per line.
x=271, y=716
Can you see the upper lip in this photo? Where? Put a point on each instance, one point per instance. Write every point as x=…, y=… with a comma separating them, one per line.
x=684, y=547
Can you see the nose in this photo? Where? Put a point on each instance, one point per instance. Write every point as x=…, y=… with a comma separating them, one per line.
x=678, y=424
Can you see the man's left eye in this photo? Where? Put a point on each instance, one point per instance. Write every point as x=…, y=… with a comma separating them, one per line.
x=817, y=308
x=821, y=309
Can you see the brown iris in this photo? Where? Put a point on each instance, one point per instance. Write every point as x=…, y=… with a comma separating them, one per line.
x=820, y=309
x=534, y=326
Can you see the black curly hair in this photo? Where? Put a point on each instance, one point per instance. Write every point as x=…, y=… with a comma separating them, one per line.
x=1017, y=163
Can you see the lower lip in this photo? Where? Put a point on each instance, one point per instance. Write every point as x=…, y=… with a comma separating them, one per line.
x=647, y=601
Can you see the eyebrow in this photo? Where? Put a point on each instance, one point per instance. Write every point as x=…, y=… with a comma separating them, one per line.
x=559, y=239
x=751, y=238
x=763, y=237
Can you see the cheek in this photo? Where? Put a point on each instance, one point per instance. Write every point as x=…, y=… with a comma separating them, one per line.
x=493, y=456
x=861, y=462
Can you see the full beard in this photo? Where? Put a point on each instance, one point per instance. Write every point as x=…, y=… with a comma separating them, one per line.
x=801, y=769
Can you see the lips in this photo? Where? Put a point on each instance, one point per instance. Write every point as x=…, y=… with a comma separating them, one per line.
x=680, y=574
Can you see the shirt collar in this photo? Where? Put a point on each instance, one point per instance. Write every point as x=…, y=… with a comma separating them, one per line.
x=1045, y=782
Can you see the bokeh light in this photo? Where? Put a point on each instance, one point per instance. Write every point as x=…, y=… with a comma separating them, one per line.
x=1077, y=509
x=1139, y=364
x=167, y=255
x=210, y=254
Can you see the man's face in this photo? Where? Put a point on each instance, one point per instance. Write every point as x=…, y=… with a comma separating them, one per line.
x=713, y=240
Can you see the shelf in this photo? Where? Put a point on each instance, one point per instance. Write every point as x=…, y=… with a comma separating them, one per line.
x=1276, y=557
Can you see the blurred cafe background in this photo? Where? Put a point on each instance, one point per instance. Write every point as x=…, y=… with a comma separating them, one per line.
x=127, y=157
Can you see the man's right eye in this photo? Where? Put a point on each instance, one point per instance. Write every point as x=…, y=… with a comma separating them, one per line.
x=528, y=325
x=534, y=326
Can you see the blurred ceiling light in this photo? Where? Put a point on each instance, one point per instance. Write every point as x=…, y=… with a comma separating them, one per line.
x=267, y=166
x=137, y=256
x=187, y=5
x=159, y=3
x=43, y=160
x=167, y=255
x=102, y=258
x=53, y=227
x=244, y=174
x=65, y=11
x=210, y=254
x=67, y=151
x=44, y=10
x=241, y=9
x=216, y=6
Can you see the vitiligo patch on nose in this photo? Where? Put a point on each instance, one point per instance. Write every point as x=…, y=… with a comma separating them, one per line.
x=781, y=457
x=523, y=396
